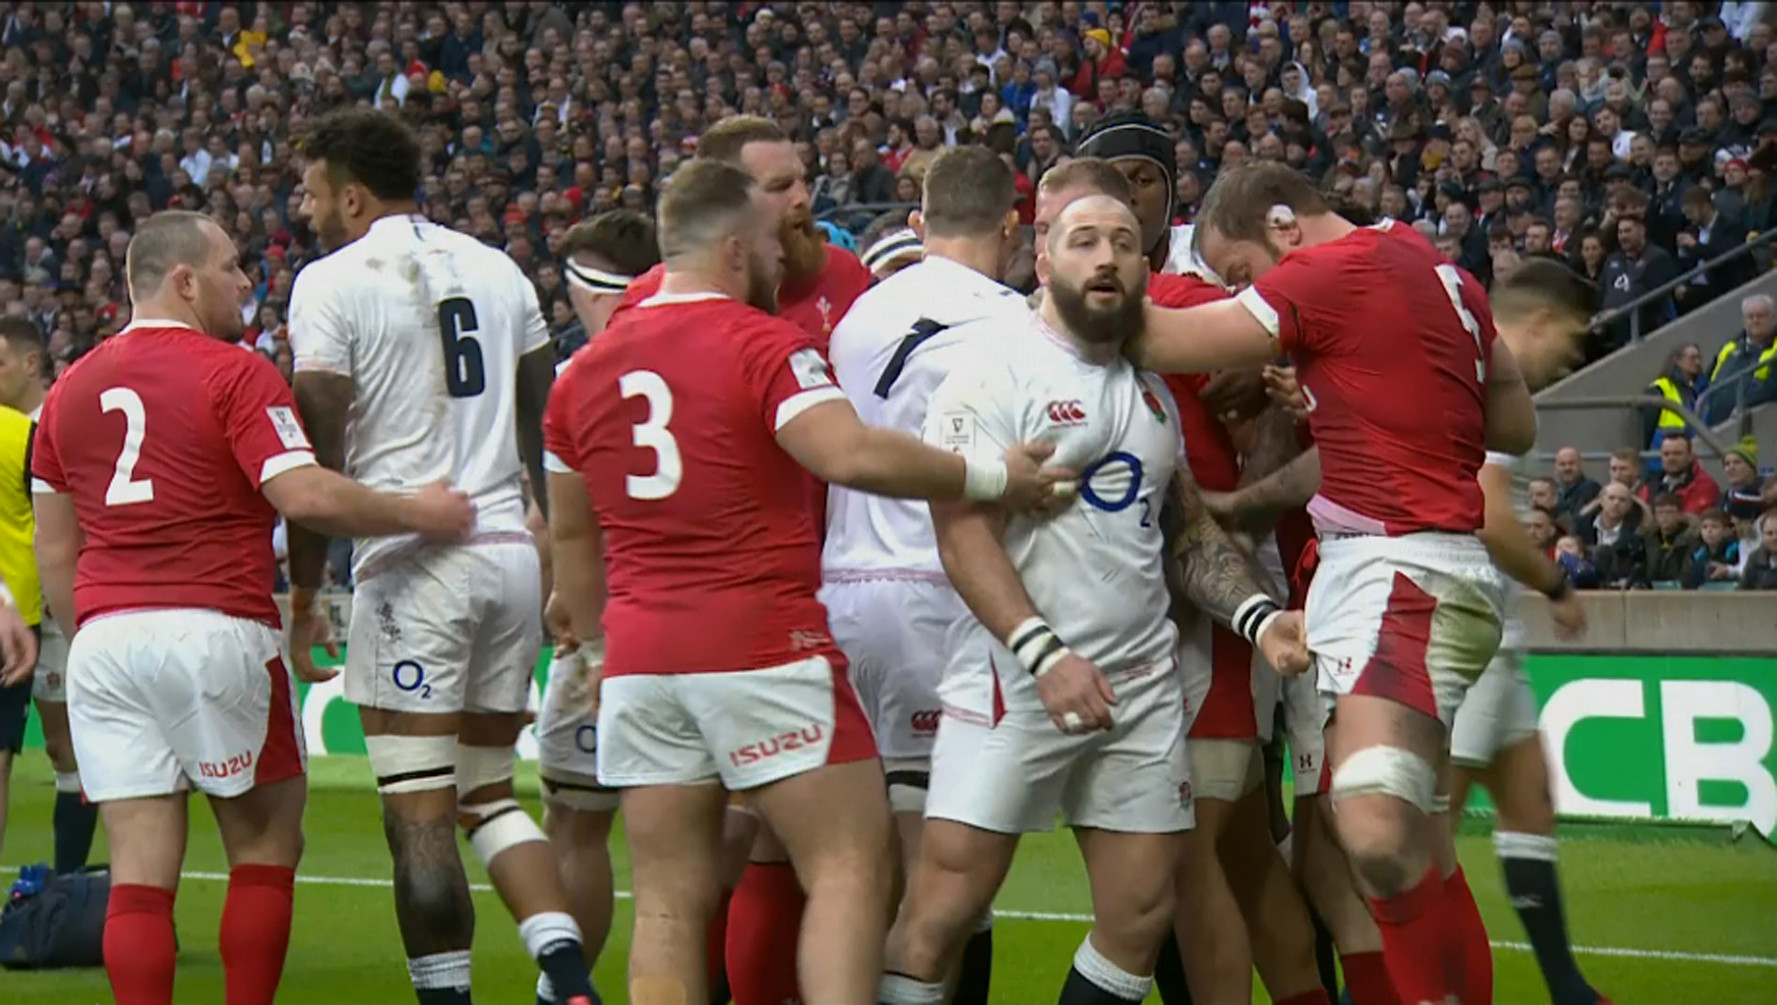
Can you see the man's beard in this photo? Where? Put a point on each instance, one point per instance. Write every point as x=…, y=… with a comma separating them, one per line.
x=331, y=230
x=762, y=286
x=805, y=247
x=1099, y=325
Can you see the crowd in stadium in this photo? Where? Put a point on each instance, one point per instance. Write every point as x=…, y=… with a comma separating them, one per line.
x=1635, y=143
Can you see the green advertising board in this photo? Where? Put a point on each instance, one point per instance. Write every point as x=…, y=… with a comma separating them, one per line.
x=1629, y=737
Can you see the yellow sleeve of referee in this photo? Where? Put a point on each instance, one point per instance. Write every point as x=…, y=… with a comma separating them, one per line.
x=18, y=525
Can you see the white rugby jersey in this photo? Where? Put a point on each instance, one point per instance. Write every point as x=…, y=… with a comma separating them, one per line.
x=1512, y=634
x=429, y=324
x=889, y=353
x=1181, y=258
x=1094, y=572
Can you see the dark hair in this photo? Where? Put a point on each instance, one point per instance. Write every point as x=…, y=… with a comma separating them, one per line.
x=700, y=204
x=726, y=139
x=1716, y=516
x=621, y=238
x=168, y=239
x=1238, y=206
x=1542, y=282
x=1087, y=172
x=369, y=148
x=1668, y=499
x=21, y=333
x=968, y=192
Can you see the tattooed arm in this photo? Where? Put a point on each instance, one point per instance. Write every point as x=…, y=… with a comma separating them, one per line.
x=1213, y=572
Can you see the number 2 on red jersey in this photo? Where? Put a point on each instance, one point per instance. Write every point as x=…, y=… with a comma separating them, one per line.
x=1452, y=280
x=125, y=489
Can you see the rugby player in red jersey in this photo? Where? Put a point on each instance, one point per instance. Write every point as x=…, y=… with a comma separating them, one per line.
x=678, y=438
x=162, y=462
x=820, y=282
x=1409, y=388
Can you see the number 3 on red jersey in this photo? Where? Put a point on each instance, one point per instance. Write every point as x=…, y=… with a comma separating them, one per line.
x=652, y=434
x=1452, y=280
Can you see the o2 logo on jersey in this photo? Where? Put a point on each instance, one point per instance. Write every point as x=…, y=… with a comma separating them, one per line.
x=410, y=677
x=1113, y=484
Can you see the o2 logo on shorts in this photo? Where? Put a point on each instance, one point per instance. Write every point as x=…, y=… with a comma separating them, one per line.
x=411, y=678
x=925, y=722
x=586, y=739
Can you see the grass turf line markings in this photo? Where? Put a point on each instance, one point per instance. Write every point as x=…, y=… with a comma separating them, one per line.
x=1720, y=959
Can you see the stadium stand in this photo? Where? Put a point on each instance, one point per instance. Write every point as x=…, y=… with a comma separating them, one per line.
x=1637, y=141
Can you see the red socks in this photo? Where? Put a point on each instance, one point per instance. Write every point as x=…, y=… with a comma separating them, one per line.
x=1366, y=977
x=716, y=949
x=139, y=946
x=1422, y=951
x=256, y=931
x=1464, y=916
x=1316, y=997
x=765, y=920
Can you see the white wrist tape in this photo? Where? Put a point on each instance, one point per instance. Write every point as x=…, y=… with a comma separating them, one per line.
x=984, y=481
x=1254, y=616
x=1037, y=646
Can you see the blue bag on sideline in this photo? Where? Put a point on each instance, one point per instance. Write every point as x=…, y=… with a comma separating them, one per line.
x=54, y=921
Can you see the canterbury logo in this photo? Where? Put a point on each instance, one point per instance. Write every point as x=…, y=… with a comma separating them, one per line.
x=925, y=722
x=1066, y=413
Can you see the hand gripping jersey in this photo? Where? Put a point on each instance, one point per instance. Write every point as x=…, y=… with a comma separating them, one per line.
x=429, y=324
x=1391, y=344
x=890, y=353
x=671, y=416
x=164, y=437
x=1094, y=572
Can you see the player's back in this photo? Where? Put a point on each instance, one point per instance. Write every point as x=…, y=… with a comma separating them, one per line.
x=670, y=415
x=1391, y=344
x=152, y=434
x=430, y=325
x=889, y=353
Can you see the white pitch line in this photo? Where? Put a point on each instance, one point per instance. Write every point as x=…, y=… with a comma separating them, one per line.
x=1721, y=959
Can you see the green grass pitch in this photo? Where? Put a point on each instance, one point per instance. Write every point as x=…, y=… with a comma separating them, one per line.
x=1663, y=920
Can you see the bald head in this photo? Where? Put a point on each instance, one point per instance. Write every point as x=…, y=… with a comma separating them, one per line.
x=1099, y=212
x=164, y=242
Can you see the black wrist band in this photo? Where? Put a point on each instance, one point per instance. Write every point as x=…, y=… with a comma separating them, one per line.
x=1561, y=590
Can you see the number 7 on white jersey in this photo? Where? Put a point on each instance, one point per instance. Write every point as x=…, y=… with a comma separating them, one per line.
x=1452, y=281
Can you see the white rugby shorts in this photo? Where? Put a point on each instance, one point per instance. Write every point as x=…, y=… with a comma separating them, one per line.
x=1499, y=712
x=567, y=737
x=1014, y=774
x=892, y=632
x=1305, y=715
x=1414, y=619
x=448, y=629
x=748, y=728
x=50, y=681
x=164, y=700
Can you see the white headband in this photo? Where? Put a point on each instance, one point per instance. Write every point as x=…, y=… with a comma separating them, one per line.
x=595, y=280
x=891, y=247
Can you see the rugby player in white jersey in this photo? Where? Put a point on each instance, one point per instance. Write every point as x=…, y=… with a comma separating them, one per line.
x=421, y=354
x=1032, y=725
x=888, y=601
x=1541, y=309
x=600, y=257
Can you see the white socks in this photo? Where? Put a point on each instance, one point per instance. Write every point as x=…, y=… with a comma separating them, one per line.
x=440, y=971
x=1093, y=966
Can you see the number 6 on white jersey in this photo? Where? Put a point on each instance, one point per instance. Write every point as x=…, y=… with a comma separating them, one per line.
x=1452, y=281
x=124, y=489
x=651, y=434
